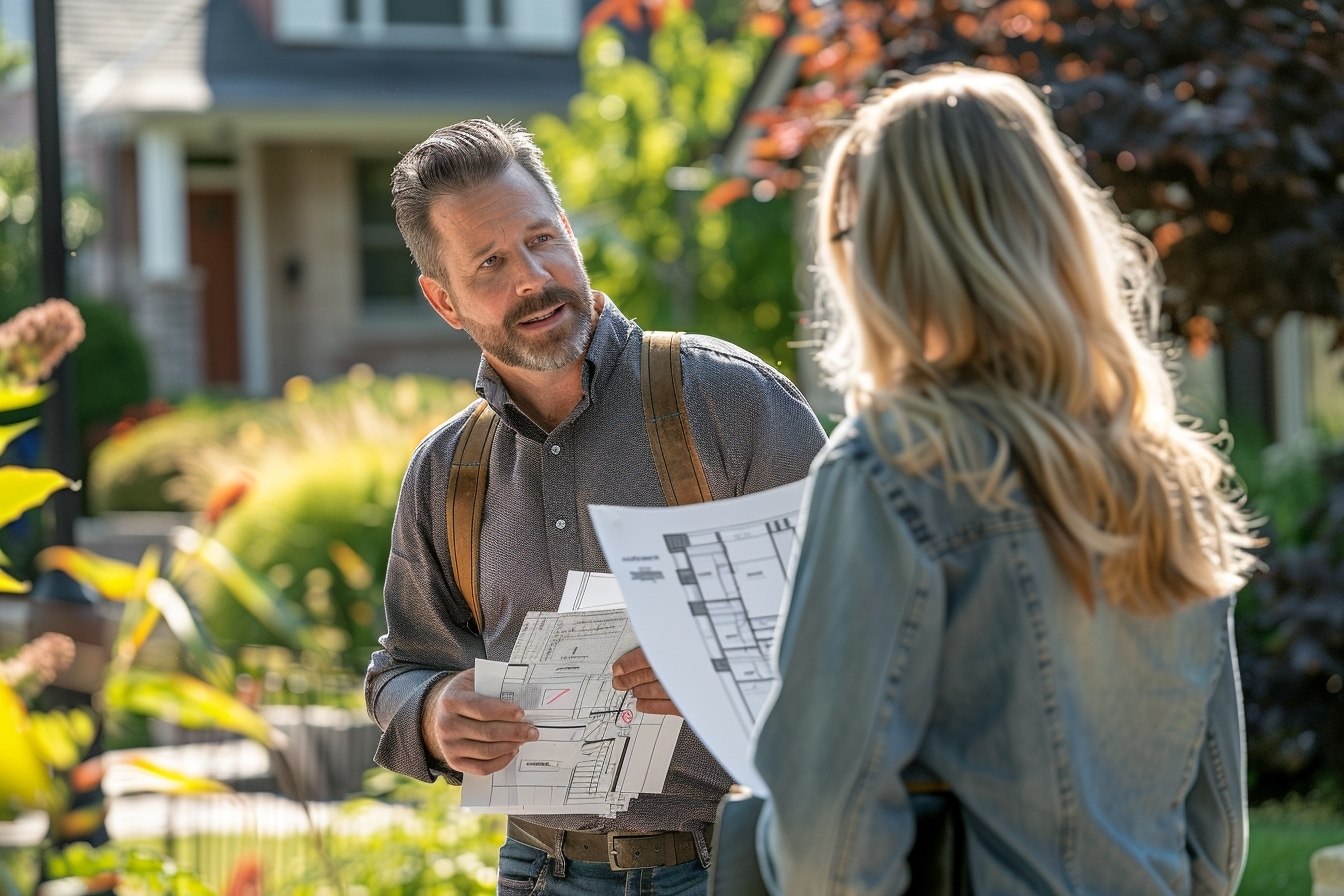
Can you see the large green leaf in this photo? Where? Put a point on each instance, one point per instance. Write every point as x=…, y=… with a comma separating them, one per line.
x=186, y=701
x=22, y=489
x=257, y=595
x=170, y=603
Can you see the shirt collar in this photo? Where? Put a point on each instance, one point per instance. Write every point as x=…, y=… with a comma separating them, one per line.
x=610, y=337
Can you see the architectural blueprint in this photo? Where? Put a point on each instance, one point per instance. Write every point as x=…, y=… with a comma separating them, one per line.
x=596, y=753
x=703, y=584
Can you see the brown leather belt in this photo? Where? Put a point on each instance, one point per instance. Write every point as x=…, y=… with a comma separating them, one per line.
x=622, y=852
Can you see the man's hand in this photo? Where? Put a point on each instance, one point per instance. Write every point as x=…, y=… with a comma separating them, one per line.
x=468, y=731
x=633, y=673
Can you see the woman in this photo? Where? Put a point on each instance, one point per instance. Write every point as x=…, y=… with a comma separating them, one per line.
x=1015, y=561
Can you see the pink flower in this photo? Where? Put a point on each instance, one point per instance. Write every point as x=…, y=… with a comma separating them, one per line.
x=35, y=340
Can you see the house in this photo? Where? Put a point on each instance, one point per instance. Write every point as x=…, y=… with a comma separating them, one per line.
x=240, y=153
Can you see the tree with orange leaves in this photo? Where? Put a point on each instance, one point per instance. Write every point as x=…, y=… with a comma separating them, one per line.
x=1218, y=123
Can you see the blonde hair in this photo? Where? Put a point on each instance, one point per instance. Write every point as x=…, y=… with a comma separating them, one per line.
x=985, y=283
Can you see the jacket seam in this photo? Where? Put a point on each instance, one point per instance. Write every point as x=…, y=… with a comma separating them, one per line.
x=874, y=762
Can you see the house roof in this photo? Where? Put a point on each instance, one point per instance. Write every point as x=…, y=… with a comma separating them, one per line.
x=194, y=56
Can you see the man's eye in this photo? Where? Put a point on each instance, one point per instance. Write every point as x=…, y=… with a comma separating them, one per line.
x=542, y=238
x=490, y=262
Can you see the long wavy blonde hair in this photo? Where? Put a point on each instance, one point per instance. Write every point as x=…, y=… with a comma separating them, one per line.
x=983, y=282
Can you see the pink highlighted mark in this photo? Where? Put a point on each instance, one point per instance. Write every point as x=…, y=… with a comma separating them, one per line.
x=557, y=696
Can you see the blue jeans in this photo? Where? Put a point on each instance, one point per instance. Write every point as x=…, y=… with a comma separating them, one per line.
x=527, y=871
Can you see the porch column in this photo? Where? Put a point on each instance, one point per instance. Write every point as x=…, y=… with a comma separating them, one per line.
x=254, y=326
x=1291, y=377
x=167, y=312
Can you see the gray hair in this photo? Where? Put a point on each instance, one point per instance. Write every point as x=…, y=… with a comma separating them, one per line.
x=452, y=160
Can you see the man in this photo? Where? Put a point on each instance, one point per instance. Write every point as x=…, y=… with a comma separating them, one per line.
x=560, y=366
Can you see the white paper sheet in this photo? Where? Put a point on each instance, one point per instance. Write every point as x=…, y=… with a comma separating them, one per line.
x=596, y=753
x=703, y=584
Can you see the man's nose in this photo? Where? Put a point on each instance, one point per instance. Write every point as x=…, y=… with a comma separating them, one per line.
x=532, y=276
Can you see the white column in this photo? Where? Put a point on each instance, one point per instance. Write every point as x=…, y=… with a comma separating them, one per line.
x=161, y=173
x=1291, y=355
x=254, y=324
x=167, y=308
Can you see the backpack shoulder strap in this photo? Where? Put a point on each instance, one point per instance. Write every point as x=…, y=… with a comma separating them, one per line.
x=678, y=463
x=466, y=503
x=674, y=454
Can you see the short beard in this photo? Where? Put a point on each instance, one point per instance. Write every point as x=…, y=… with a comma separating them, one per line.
x=557, y=350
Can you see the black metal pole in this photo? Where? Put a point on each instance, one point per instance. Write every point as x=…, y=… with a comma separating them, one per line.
x=60, y=438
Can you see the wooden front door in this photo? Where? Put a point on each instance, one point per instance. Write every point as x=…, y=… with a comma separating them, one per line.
x=212, y=223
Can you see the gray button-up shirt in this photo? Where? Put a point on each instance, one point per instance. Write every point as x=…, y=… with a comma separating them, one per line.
x=753, y=431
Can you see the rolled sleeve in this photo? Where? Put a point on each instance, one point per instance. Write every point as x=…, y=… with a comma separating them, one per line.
x=424, y=639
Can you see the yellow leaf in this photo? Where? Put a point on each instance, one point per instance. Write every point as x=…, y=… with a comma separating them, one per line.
x=113, y=579
x=25, y=781
x=173, y=781
x=53, y=740
x=11, y=585
x=15, y=397
x=186, y=701
x=22, y=489
x=12, y=431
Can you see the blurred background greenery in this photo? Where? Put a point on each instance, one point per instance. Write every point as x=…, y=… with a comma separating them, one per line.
x=1201, y=116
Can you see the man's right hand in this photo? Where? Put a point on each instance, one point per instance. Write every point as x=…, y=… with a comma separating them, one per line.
x=468, y=731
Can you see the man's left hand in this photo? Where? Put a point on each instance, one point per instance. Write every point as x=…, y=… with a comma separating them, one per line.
x=633, y=673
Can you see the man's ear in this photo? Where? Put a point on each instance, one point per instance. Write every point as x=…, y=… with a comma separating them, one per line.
x=440, y=300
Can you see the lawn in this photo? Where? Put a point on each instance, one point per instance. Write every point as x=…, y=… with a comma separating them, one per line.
x=1282, y=841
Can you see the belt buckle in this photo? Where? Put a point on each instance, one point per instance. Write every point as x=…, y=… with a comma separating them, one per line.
x=612, y=860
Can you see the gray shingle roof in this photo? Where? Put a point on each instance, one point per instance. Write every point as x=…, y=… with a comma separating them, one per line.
x=199, y=55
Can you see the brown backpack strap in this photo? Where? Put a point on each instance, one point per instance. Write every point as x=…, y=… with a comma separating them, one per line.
x=674, y=454
x=466, y=503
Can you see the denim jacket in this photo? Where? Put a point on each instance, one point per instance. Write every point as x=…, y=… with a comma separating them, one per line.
x=1092, y=751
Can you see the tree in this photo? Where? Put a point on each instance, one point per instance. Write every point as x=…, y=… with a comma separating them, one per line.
x=630, y=160
x=1219, y=124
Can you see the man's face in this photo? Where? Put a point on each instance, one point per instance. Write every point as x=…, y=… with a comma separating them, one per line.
x=515, y=279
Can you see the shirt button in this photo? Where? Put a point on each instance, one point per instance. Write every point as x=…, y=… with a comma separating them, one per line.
x=555, y=449
x=559, y=524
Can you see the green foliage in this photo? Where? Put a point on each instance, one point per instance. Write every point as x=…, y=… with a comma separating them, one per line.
x=443, y=851
x=19, y=278
x=134, y=871
x=111, y=368
x=666, y=257
x=129, y=470
x=1290, y=622
x=320, y=531
x=429, y=847
x=300, y=489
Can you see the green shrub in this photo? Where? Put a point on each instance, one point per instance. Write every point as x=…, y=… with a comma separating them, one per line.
x=300, y=489
x=319, y=529
x=111, y=369
x=130, y=470
x=1290, y=637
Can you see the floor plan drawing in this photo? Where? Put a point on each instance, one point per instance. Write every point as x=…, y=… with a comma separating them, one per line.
x=703, y=585
x=733, y=577
x=595, y=753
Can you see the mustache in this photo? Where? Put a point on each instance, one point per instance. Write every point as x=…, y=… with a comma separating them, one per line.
x=548, y=298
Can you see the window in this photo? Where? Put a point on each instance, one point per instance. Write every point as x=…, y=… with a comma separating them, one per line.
x=527, y=25
x=387, y=272
x=425, y=12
